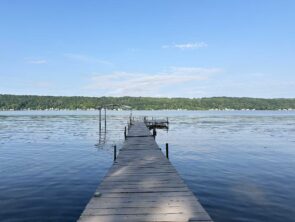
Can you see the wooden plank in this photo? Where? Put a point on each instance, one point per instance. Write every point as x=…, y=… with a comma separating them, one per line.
x=127, y=203
x=142, y=185
x=155, y=217
x=155, y=195
x=140, y=210
x=150, y=198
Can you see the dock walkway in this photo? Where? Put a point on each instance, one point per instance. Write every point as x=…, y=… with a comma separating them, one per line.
x=142, y=186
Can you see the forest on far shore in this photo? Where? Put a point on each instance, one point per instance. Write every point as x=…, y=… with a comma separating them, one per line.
x=24, y=102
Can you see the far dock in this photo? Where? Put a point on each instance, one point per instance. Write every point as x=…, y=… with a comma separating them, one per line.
x=143, y=186
x=156, y=123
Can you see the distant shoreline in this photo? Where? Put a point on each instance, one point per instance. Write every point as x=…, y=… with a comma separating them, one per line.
x=46, y=103
x=174, y=110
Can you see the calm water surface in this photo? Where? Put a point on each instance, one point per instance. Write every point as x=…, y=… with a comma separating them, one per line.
x=241, y=165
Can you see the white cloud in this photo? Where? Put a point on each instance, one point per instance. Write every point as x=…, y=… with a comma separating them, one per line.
x=194, y=45
x=86, y=58
x=146, y=84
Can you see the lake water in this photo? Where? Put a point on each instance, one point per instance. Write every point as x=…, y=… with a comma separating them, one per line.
x=240, y=164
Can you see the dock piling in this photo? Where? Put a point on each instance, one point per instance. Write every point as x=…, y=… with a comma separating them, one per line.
x=115, y=153
x=167, y=151
x=154, y=133
x=105, y=119
x=99, y=119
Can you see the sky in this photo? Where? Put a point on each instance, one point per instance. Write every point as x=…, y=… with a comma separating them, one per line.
x=157, y=48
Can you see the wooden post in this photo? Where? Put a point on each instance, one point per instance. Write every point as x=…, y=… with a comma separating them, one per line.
x=125, y=133
x=167, y=151
x=105, y=119
x=154, y=133
x=115, y=152
x=99, y=119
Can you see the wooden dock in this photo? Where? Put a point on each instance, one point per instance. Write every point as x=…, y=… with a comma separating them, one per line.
x=142, y=186
x=156, y=123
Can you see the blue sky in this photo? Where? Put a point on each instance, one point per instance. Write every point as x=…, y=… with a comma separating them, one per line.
x=199, y=48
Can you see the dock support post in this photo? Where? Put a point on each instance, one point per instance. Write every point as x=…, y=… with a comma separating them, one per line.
x=167, y=151
x=99, y=119
x=115, y=152
x=154, y=133
x=105, y=119
x=125, y=133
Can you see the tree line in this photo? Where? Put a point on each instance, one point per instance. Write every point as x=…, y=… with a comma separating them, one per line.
x=23, y=102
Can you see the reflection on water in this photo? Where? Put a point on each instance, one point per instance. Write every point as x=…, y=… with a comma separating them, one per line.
x=241, y=165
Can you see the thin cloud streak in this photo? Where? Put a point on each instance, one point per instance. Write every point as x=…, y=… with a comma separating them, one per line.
x=183, y=46
x=145, y=84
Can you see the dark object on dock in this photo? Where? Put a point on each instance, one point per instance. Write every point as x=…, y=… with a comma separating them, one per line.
x=142, y=185
x=156, y=123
